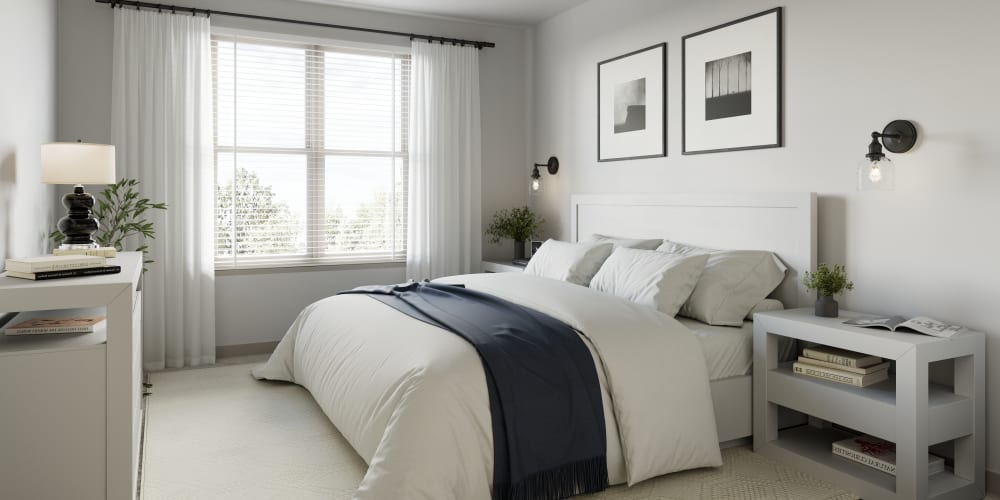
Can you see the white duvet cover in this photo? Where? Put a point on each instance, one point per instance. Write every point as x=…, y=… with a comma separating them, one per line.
x=411, y=398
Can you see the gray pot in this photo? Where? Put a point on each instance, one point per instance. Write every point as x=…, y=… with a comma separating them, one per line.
x=827, y=307
x=519, y=249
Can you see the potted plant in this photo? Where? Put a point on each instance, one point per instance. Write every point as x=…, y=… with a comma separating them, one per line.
x=827, y=283
x=120, y=209
x=518, y=224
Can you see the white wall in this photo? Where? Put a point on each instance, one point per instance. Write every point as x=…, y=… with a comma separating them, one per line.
x=27, y=120
x=929, y=247
x=258, y=307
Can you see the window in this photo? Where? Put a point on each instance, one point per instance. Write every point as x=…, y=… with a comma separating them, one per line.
x=310, y=153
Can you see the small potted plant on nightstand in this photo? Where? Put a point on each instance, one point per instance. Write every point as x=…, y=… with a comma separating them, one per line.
x=518, y=224
x=827, y=283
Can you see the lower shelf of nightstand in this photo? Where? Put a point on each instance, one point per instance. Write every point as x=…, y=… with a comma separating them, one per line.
x=810, y=449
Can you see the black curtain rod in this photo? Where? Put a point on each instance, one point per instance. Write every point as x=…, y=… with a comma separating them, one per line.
x=195, y=11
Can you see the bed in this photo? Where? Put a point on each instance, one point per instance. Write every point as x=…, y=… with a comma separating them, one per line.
x=411, y=400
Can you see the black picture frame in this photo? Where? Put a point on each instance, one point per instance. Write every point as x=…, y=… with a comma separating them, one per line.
x=534, y=245
x=662, y=136
x=779, y=85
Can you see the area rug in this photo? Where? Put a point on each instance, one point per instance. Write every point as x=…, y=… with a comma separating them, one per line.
x=216, y=433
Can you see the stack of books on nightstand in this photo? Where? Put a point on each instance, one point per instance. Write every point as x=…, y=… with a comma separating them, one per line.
x=841, y=366
x=59, y=266
x=878, y=454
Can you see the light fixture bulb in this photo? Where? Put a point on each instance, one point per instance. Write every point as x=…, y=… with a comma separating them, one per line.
x=874, y=172
x=535, y=184
x=877, y=175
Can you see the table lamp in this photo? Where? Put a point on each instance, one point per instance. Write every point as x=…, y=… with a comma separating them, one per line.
x=78, y=163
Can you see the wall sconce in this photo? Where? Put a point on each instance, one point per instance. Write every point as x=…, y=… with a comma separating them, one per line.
x=552, y=165
x=876, y=172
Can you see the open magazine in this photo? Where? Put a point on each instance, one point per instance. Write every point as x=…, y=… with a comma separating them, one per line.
x=919, y=324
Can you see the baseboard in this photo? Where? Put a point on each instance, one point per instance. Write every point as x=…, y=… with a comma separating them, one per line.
x=238, y=350
x=992, y=482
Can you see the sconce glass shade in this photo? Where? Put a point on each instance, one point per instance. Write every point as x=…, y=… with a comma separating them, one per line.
x=535, y=179
x=878, y=175
x=535, y=184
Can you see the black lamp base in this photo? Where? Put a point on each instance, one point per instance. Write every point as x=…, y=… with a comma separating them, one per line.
x=79, y=223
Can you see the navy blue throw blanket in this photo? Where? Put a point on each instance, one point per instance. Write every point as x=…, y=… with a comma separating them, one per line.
x=549, y=438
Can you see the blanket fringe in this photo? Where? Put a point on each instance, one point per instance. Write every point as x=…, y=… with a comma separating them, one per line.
x=585, y=476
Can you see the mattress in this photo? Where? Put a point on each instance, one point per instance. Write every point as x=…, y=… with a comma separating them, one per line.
x=728, y=349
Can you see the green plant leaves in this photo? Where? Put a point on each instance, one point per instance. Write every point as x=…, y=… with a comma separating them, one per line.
x=828, y=281
x=518, y=224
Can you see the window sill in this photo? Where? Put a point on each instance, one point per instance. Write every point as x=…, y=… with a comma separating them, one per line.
x=301, y=267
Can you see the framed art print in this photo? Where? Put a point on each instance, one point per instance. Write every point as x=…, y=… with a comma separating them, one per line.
x=731, y=86
x=632, y=105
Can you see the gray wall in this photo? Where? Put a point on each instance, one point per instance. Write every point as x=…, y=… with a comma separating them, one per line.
x=27, y=120
x=259, y=306
x=930, y=247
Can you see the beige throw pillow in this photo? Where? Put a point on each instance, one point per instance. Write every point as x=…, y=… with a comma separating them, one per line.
x=733, y=282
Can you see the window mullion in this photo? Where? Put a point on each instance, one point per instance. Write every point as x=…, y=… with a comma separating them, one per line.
x=315, y=144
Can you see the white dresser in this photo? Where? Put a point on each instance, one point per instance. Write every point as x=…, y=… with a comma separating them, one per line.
x=70, y=405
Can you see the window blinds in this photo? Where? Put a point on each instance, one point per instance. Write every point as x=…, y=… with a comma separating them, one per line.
x=310, y=153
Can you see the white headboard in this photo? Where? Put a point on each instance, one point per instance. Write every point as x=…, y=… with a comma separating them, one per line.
x=784, y=223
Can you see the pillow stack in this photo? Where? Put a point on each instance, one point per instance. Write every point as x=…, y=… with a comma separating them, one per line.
x=717, y=287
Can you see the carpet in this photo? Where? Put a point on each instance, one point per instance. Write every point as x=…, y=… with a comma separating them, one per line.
x=216, y=433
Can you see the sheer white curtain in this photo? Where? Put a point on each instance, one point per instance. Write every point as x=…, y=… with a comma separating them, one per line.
x=162, y=127
x=444, y=219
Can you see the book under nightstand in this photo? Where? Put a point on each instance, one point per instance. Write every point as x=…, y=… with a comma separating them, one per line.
x=906, y=408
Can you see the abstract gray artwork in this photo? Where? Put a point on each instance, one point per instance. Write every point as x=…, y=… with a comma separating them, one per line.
x=727, y=87
x=630, y=106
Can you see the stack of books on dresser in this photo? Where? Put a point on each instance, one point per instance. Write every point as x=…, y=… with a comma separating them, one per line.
x=49, y=267
x=841, y=366
x=58, y=321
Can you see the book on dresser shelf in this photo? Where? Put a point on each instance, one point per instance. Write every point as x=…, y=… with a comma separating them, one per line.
x=919, y=324
x=108, y=252
x=58, y=321
x=878, y=454
x=48, y=263
x=66, y=273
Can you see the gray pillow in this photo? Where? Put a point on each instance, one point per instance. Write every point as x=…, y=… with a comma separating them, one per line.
x=732, y=283
x=627, y=242
x=766, y=305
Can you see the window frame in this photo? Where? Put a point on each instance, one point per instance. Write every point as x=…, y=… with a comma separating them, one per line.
x=315, y=151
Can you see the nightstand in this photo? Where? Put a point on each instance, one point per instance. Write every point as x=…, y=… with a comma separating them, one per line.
x=908, y=409
x=490, y=266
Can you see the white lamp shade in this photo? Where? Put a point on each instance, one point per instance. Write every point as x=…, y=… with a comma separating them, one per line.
x=78, y=163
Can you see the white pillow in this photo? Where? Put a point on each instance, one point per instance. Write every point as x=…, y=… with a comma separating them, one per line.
x=733, y=282
x=627, y=242
x=659, y=280
x=572, y=262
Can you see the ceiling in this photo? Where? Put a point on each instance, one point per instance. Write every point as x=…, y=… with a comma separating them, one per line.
x=490, y=11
